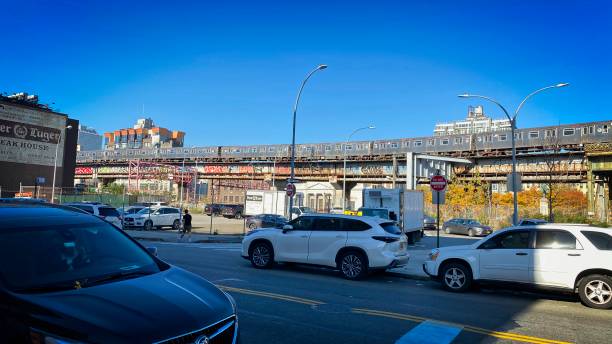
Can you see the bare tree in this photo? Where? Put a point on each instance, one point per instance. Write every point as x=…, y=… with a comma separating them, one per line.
x=557, y=160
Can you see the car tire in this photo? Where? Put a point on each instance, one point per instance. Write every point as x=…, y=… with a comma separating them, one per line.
x=176, y=225
x=471, y=232
x=261, y=255
x=252, y=226
x=148, y=225
x=353, y=265
x=456, y=277
x=447, y=230
x=596, y=291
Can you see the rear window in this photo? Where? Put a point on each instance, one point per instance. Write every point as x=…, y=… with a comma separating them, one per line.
x=600, y=240
x=108, y=212
x=391, y=227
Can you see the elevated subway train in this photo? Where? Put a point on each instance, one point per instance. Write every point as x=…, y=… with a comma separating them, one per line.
x=563, y=135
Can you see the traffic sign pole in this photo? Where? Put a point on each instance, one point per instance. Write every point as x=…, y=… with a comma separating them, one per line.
x=438, y=184
x=438, y=219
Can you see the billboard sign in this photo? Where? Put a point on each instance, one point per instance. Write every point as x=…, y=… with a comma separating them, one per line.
x=30, y=136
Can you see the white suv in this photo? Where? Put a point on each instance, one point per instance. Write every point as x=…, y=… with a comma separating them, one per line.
x=575, y=258
x=148, y=218
x=354, y=245
x=103, y=211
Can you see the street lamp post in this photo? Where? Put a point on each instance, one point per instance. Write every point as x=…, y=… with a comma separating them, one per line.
x=513, y=129
x=297, y=101
x=344, y=168
x=59, y=141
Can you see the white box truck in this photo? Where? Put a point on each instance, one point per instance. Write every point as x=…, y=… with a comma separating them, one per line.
x=404, y=206
x=265, y=202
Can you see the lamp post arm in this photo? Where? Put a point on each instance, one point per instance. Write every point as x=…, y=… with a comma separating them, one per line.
x=518, y=109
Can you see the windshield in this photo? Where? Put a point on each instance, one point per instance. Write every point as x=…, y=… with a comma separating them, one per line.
x=306, y=210
x=471, y=222
x=144, y=211
x=37, y=257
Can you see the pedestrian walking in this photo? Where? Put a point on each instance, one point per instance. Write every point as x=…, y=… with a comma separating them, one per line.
x=186, y=225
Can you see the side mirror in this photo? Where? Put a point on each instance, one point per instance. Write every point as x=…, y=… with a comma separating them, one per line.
x=152, y=250
x=287, y=228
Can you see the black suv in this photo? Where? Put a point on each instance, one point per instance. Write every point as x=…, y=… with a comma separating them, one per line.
x=67, y=277
x=213, y=209
x=232, y=210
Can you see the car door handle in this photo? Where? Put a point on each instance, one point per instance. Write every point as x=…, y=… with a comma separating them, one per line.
x=521, y=254
x=574, y=254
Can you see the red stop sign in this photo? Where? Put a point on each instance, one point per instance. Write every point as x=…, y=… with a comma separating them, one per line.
x=290, y=190
x=438, y=183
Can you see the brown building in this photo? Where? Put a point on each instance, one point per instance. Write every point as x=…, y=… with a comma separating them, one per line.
x=34, y=139
x=144, y=134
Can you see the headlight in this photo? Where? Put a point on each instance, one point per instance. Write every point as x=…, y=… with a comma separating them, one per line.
x=433, y=255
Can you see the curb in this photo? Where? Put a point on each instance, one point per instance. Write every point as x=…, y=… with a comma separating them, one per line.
x=201, y=241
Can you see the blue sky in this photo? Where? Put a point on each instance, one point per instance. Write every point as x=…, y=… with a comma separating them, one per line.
x=227, y=72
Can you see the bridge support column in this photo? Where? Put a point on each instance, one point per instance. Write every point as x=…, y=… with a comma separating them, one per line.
x=590, y=193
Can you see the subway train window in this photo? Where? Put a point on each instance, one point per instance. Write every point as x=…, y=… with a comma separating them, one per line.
x=444, y=142
x=568, y=131
x=418, y=143
x=502, y=137
x=534, y=134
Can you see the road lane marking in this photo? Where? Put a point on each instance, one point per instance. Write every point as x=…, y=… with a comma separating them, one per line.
x=431, y=332
x=399, y=316
x=272, y=295
x=496, y=334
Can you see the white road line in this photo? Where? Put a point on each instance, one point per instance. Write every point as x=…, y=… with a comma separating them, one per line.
x=430, y=332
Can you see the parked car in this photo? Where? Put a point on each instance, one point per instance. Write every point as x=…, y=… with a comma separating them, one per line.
x=130, y=210
x=265, y=221
x=103, y=211
x=69, y=277
x=213, y=209
x=532, y=222
x=336, y=210
x=148, y=218
x=353, y=245
x=232, y=210
x=574, y=258
x=429, y=222
x=299, y=211
x=152, y=204
x=467, y=227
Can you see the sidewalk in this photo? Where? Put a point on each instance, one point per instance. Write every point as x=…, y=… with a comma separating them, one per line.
x=172, y=236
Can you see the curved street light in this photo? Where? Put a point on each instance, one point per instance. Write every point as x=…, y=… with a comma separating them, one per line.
x=344, y=169
x=59, y=141
x=295, y=106
x=513, y=128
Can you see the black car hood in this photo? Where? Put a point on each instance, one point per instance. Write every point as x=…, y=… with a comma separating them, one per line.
x=139, y=310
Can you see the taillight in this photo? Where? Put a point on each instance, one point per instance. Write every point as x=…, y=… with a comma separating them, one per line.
x=386, y=239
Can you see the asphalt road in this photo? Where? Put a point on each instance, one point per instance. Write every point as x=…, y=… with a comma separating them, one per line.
x=296, y=304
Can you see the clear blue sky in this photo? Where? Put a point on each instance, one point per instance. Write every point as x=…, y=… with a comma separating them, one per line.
x=227, y=72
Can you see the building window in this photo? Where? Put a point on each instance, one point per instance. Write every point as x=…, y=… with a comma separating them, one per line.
x=502, y=137
x=418, y=143
x=444, y=142
x=534, y=134
x=568, y=131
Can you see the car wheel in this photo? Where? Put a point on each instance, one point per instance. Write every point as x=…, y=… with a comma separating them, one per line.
x=353, y=265
x=447, y=230
x=238, y=216
x=471, y=232
x=456, y=277
x=176, y=224
x=262, y=255
x=596, y=291
x=252, y=226
x=148, y=225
